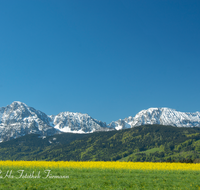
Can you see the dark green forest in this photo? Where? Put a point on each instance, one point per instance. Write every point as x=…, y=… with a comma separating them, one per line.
x=155, y=143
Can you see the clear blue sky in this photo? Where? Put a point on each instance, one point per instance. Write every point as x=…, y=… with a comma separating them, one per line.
x=108, y=58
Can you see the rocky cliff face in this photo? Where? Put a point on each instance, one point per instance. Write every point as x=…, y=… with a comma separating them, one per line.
x=162, y=116
x=77, y=123
x=18, y=119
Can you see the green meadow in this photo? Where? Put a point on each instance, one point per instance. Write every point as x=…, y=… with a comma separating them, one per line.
x=79, y=179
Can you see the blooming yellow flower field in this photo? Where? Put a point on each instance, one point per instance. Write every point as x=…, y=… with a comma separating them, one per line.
x=102, y=165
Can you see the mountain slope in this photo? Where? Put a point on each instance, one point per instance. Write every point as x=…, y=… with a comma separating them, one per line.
x=18, y=119
x=162, y=142
x=31, y=145
x=114, y=145
x=76, y=123
x=161, y=116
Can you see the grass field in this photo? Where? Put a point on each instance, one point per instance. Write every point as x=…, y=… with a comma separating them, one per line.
x=87, y=175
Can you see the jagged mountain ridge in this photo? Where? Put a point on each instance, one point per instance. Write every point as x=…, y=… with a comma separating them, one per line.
x=18, y=119
x=161, y=116
x=76, y=123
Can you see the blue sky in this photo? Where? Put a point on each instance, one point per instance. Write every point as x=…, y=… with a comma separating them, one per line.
x=108, y=58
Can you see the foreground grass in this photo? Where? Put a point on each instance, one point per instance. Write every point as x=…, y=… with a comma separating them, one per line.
x=93, y=178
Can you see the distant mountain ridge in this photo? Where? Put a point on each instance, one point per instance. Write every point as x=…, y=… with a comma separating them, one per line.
x=160, y=116
x=76, y=123
x=18, y=119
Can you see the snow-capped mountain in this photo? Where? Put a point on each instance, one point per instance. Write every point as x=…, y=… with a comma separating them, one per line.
x=76, y=123
x=18, y=119
x=162, y=116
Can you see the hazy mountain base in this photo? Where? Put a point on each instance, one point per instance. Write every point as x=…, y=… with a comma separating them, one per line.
x=143, y=143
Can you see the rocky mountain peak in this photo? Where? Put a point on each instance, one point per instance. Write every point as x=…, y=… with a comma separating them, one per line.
x=18, y=119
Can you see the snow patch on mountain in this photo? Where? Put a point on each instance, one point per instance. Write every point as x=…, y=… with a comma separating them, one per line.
x=18, y=119
x=162, y=116
x=77, y=123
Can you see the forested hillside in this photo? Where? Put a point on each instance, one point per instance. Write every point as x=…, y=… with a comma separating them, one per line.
x=143, y=143
x=28, y=146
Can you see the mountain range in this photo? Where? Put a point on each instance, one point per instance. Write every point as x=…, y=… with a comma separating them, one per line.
x=18, y=119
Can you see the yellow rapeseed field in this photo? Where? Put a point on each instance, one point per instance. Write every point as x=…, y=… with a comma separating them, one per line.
x=102, y=165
